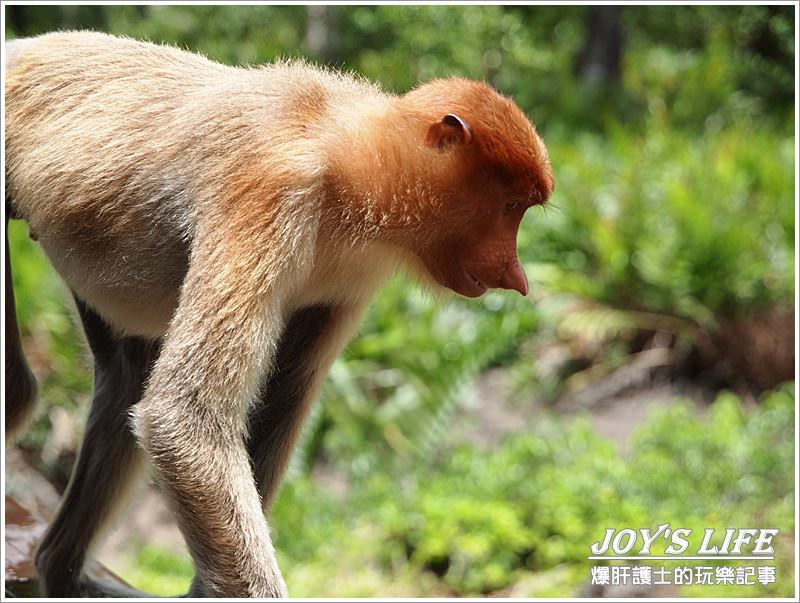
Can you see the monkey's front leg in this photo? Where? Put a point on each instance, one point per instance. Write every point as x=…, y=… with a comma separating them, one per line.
x=311, y=339
x=192, y=420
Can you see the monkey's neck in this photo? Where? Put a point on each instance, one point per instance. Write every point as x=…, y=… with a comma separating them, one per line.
x=380, y=181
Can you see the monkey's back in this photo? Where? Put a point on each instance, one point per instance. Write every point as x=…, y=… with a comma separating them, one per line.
x=113, y=144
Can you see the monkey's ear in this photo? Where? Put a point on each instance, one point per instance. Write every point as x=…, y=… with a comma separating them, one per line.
x=449, y=130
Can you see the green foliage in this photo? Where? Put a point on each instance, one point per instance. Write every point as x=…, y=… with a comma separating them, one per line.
x=728, y=60
x=698, y=228
x=155, y=570
x=481, y=520
x=48, y=326
x=528, y=506
x=674, y=453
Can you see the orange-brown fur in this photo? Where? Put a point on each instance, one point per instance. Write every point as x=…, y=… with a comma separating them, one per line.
x=204, y=206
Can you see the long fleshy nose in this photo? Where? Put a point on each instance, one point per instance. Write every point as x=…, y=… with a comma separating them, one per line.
x=514, y=278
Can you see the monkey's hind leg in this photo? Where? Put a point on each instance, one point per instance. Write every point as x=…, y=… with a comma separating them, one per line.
x=20, y=394
x=108, y=463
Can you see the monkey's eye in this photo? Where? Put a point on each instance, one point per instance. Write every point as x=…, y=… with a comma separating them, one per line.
x=513, y=206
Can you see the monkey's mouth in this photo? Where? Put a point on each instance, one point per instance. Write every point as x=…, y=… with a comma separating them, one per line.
x=475, y=288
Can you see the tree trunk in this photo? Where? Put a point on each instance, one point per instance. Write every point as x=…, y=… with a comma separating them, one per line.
x=322, y=32
x=600, y=59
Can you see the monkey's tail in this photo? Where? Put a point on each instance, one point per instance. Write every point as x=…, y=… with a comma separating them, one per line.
x=20, y=394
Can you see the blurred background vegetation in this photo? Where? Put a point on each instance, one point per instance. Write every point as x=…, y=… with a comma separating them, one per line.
x=463, y=447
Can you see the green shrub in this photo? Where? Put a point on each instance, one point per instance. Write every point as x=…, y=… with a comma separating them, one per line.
x=699, y=228
x=481, y=520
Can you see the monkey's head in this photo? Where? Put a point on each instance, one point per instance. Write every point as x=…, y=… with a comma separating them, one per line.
x=486, y=166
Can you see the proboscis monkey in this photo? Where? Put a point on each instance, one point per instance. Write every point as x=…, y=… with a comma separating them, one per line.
x=222, y=230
